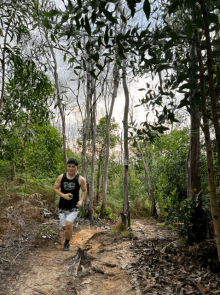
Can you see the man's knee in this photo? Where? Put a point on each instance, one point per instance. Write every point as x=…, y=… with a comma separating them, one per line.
x=68, y=226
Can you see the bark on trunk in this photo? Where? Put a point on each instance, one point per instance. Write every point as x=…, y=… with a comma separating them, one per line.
x=93, y=127
x=192, y=165
x=99, y=177
x=3, y=75
x=153, y=203
x=62, y=114
x=109, y=116
x=126, y=211
x=210, y=167
x=86, y=125
x=84, y=142
x=193, y=172
x=3, y=63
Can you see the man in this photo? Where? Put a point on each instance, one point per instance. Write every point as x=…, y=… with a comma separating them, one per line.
x=67, y=186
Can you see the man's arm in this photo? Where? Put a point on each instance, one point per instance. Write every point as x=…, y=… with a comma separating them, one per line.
x=56, y=189
x=82, y=183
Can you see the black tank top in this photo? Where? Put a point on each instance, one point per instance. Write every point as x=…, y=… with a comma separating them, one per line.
x=69, y=186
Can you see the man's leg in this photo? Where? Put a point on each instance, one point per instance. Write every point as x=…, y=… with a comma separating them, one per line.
x=62, y=217
x=69, y=228
x=62, y=234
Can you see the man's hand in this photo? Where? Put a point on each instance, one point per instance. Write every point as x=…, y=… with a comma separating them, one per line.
x=68, y=196
x=79, y=204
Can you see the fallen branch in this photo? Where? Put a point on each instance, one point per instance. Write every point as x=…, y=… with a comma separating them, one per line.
x=163, y=250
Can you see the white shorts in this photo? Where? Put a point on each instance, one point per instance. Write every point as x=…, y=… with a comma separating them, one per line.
x=67, y=216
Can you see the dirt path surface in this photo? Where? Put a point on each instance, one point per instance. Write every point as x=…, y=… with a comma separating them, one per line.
x=101, y=269
x=146, y=260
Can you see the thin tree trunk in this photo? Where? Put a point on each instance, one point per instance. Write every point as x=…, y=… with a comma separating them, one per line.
x=84, y=141
x=63, y=131
x=3, y=63
x=22, y=161
x=126, y=212
x=86, y=124
x=193, y=172
x=210, y=166
x=192, y=166
x=211, y=83
x=121, y=158
x=153, y=203
x=109, y=116
x=99, y=176
x=93, y=127
x=3, y=75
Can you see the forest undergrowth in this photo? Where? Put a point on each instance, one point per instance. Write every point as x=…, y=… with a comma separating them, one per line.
x=148, y=258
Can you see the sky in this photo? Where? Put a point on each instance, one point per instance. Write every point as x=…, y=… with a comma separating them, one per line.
x=139, y=113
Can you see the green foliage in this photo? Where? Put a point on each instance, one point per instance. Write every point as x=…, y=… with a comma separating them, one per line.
x=26, y=186
x=166, y=225
x=115, y=185
x=45, y=229
x=44, y=156
x=82, y=212
x=179, y=213
x=128, y=235
x=113, y=130
x=109, y=212
x=27, y=95
x=140, y=206
x=39, y=153
x=137, y=189
x=120, y=227
x=168, y=169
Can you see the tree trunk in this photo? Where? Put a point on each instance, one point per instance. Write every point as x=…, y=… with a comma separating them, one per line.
x=93, y=127
x=153, y=203
x=109, y=116
x=193, y=171
x=3, y=62
x=192, y=166
x=99, y=177
x=84, y=141
x=210, y=166
x=3, y=74
x=211, y=83
x=126, y=211
x=86, y=124
x=62, y=114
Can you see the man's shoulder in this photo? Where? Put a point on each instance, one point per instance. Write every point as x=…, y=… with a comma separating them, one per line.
x=81, y=179
x=60, y=177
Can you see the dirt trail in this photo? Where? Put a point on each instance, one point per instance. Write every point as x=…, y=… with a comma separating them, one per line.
x=146, y=260
x=100, y=270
